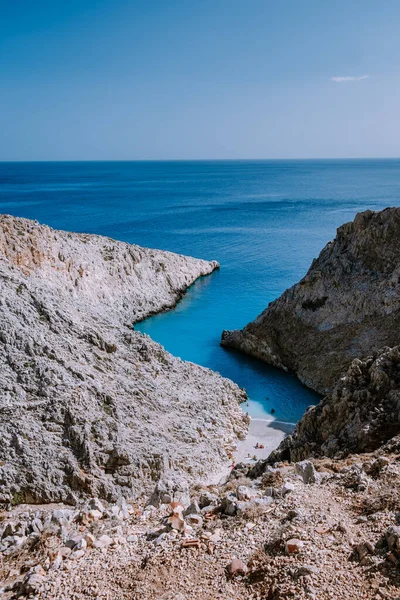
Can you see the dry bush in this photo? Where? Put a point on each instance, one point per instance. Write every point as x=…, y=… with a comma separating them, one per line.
x=272, y=479
x=254, y=512
x=383, y=501
x=231, y=485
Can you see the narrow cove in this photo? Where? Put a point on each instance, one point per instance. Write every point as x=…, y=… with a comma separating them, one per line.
x=192, y=331
x=263, y=221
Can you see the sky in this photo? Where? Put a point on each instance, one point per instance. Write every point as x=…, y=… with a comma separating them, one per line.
x=199, y=79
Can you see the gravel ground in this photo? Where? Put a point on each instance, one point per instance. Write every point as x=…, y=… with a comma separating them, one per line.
x=314, y=541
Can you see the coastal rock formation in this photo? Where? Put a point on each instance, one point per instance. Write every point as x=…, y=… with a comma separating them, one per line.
x=360, y=415
x=89, y=406
x=347, y=306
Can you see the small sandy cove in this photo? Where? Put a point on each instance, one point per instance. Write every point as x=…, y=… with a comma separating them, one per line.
x=262, y=433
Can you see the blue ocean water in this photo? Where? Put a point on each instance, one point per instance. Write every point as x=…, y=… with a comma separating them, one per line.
x=264, y=221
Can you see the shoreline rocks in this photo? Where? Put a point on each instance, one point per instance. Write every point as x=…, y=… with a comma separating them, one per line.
x=346, y=307
x=362, y=414
x=88, y=406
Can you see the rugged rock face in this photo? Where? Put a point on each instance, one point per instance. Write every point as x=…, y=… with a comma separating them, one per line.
x=88, y=406
x=360, y=415
x=347, y=305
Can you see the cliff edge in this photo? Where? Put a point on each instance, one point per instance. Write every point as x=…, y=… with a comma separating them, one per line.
x=361, y=415
x=346, y=307
x=88, y=406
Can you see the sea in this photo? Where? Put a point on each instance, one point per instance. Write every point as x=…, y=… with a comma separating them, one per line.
x=263, y=221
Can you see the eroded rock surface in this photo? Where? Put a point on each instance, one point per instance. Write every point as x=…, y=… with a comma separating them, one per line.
x=88, y=406
x=360, y=415
x=347, y=306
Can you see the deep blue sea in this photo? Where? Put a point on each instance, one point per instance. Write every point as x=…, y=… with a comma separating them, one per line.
x=264, y=221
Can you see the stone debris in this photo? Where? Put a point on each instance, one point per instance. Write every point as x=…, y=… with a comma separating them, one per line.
x=236, y=567
x=307, y=472
x=194, y=520
x=33, y=580
x=89, y=539
x=309, y=539
x=244, y=493
x=171, y=490
x=293, y=546
x=96, y=504
x=177, y=521
x=393, y=539
x=207, y=499
x=192, y=509
x=287, y=487
x=90, y=516
x=75, y=542
x=76, y=554
x=191, y=543
x=229, y=504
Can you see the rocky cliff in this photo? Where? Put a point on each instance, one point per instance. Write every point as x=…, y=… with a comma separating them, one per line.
x=360, y=415
x=347, y=306
x=88, y=406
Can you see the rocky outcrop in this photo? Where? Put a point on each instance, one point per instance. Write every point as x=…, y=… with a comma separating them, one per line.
x=360, y=415
x=347, y=306
x=88, y=406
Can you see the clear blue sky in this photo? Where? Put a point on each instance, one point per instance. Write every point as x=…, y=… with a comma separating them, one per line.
x=165, y=79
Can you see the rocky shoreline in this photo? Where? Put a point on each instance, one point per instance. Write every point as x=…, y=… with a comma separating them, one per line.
x=347, y=306
x=90, y=407
x=318, y=518
x=360, y=415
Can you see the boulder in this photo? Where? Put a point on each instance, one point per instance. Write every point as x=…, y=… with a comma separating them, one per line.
x=207, y=498
x=293, y=546
x=307, y=472
x=244, y=493
x=236, y=567
x=171, y=490
x=360, y=415
x=393, y=539
x=192, y=509
x=229, y=505
x=194, y=520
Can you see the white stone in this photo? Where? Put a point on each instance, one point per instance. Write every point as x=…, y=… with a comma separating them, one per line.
x=103, y=541
x=287, y=487
x=244, y=493
x=307, y=472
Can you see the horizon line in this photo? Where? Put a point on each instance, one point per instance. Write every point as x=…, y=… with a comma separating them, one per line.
x=155, y=160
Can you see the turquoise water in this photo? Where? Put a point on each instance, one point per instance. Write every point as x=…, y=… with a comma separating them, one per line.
x=264, y=221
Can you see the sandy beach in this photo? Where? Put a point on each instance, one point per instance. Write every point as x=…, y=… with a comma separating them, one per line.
x=267, y=433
